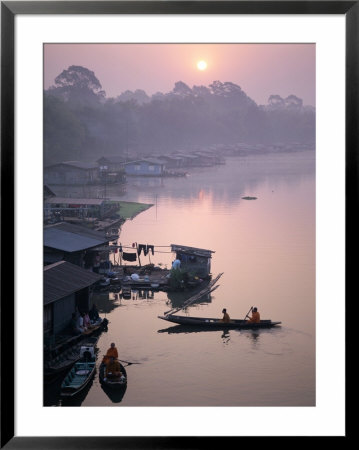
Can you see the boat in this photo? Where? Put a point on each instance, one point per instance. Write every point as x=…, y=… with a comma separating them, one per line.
x=61, y=358
x=113, y=383
x=81, y=373
x=64, y=361
x=213, y=323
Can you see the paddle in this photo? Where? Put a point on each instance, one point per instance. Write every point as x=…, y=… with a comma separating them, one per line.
x=248, y=313
x=128, y=362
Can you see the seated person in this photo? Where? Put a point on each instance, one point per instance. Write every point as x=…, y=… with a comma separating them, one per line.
x=256, y=318
x=93, y=313
x=111, y=353
x=87, y=321
x=74, y=325
x=226, y=317
x=113, y=369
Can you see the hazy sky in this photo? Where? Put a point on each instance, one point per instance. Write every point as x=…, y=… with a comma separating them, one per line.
x=260, y=69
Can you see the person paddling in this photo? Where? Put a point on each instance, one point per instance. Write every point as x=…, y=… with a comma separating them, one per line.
x=256, y=318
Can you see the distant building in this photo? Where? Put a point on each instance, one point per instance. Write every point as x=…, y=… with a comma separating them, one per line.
x=76, y=244
x=111, y=168
x=66, y=287
x=79, y=207
x=72, y=173
x=196, y=261
x=190, y=160
x=172, y=161
x=145, y=167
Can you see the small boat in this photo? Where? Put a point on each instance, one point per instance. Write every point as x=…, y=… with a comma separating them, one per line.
x=81, y=373
x=113, y=383
x=206, y=322
x=64, y=361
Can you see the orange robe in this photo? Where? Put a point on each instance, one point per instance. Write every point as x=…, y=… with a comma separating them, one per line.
x=113, y=367
x=256, y=318
x=110, y=352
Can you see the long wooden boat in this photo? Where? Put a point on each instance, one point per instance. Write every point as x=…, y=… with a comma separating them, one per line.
x=81, y=373
x=113, y=383
x=78, y=378
x=65, y=360
x=206, y=322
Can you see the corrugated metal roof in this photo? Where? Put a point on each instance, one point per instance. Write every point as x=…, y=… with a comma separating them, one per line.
x=75, y=201
x=78, y=164
x=192, y=250
x=63, y=278
x=72, y=238
x=147, y=160
x=81, y=164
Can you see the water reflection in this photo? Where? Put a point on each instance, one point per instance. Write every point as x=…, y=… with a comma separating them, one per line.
x=226, y=337
x=115, y=395
x=105, y=302
x=223, y=184
x=266, y=248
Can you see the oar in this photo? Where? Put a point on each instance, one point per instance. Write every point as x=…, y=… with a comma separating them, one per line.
x=248, y=313
x=128, y=362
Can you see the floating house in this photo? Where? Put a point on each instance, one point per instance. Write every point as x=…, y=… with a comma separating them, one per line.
x=111, y=168
x=79, y=245
x=72, y=173
x=196, y=261
x=145, y=167
x=66, y=288
x=172, y=161
x=79, y=207
x=189, y=160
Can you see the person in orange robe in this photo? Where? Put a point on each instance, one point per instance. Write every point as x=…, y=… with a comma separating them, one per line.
x=111, y=352
x=113, y=368
x=256, y=318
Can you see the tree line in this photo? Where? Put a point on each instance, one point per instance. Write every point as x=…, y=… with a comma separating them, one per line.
x=81, y=123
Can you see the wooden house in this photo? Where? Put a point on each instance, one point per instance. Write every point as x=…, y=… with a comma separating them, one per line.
x=111, y=168
x=196, y=261
x=79, y=207
x=72, y=173
x=66, y=289
x=146, y=167
x=76, y=244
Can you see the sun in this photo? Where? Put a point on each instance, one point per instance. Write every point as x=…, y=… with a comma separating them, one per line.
x=202, y=65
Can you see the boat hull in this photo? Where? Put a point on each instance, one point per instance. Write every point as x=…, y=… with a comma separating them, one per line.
x=113, y=384
x=213, y=323
x=78, y=378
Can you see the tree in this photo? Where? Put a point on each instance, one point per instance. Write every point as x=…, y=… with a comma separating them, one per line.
x=78, y=77
x=276, y=101
x=78, y=85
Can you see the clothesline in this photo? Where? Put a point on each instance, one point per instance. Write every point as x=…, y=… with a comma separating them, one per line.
x=132, y=247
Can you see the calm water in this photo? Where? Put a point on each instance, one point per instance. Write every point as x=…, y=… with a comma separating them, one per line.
x=266, y=249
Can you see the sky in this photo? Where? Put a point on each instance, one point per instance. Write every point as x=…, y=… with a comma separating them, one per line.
x=259, y=69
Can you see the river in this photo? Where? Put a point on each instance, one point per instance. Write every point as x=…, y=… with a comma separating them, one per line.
x=266, y=251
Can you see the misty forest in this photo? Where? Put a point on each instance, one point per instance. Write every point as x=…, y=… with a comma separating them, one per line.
x=81, y=123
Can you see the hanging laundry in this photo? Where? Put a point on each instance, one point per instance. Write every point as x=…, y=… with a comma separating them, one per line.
x=140, y=248
x=152, y=248
x=129, y=256
x=120, y=249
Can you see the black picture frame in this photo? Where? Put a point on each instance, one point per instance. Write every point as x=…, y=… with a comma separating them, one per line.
x=9, y=10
